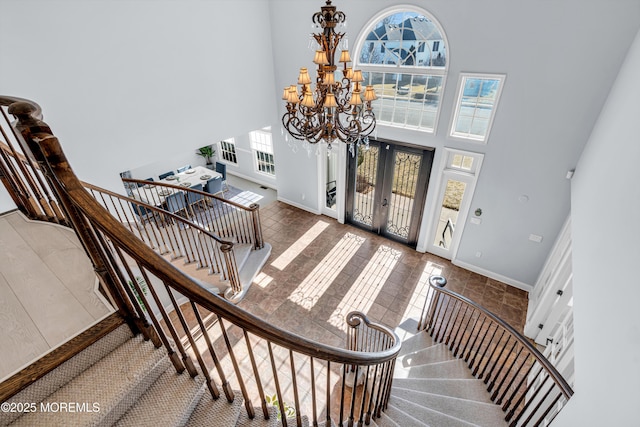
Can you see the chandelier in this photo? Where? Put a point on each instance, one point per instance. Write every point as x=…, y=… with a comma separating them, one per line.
x=335, y=108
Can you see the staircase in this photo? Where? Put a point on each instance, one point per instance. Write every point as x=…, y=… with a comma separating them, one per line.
x=148, y=391
x=431, y=388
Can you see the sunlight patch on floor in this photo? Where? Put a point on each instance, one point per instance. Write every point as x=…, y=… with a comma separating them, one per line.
x=367, y=286
x=299, y=246
x=318, y=281
x=246, y=198
x=262, y=280
x=419, y=297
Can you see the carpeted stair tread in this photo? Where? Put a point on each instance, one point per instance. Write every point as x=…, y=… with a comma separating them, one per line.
x=417, y=342
x=218, y=412
x=67, y=371
x=401, y=418
x=384, y=421
x=168, y=402
x=456, y=368
x=291, y=421
x=464, y=389
x=433, y=354
x=478, y=413
x=259, y=420
x=136, y=364
x=429, y=415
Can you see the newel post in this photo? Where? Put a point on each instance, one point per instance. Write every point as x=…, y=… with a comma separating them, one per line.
x=257, y=226
x=45, y=148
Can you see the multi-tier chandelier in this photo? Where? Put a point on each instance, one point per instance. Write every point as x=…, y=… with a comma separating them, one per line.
x=334, y=109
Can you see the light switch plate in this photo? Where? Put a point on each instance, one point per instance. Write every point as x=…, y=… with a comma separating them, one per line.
x=535, y=238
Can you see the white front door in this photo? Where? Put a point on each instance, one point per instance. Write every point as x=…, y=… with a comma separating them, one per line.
x=457, y=183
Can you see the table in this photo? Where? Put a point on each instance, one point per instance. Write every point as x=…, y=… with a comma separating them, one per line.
x=156, y=195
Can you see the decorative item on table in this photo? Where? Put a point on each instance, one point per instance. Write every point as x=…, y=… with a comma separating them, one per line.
x=190, y=171
x=205, y=177
x=147, y=186
x=185, y=184
x=171, y=178
x=164, y=192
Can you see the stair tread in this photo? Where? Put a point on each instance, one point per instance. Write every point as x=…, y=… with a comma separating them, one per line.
x=70, y=369
x=169, y=401
x=242, y=252
x=384, y=421
x=469, y=389
x=259, y=420
x=427, y=415
x=433, y=354
x=216, y=412
x=419, y=341
x=401, y=418
x=478, y=413
x=456, y=368
x=96, y=385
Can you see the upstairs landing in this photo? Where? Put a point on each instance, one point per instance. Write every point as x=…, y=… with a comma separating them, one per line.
x=48, y=290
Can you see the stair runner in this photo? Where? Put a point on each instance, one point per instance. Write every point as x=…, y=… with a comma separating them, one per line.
x=430, y=388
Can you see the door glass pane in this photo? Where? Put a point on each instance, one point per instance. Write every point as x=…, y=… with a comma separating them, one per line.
x=452, y=199
x=366, y=172
x=406, y=167
x=332, y=163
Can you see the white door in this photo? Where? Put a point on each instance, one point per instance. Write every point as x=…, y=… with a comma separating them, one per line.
x=457, y=183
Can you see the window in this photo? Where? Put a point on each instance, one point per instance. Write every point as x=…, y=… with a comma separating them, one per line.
x=407, y=77
x=262, y=146
x=227, y=149
x=478, y=97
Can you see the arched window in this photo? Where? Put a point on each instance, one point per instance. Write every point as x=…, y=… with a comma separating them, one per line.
x=403, y=54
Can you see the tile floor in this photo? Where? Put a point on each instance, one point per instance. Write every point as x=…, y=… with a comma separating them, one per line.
x=319, y=270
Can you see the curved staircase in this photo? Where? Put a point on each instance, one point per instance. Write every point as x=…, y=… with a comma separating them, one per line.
x=431, y=387
x=104, y=386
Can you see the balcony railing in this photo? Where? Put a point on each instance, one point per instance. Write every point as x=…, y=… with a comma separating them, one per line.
x=520, y=379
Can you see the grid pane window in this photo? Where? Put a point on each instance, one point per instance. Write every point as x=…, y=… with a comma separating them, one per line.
x=228, y=151
x=477, y=101
x=265, y=163
x=404, y=57
x=262, y=146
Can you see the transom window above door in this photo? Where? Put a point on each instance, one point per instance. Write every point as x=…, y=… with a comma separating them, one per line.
x=403, y=54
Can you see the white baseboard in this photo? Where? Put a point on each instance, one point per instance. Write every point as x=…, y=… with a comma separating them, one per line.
x=509, y=281
x=270, y=185
x=299, y=206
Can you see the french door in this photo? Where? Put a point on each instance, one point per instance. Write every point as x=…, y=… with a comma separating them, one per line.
x=387, y=188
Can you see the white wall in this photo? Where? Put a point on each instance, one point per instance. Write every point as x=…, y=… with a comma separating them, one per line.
x=557, y=80
x=126, y=83
x=6, y=202
x=606, y=249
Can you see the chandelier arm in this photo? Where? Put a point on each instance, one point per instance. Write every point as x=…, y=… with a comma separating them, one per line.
x=333, y=109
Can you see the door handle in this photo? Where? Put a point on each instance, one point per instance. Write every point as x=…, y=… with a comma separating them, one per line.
x=385, y=202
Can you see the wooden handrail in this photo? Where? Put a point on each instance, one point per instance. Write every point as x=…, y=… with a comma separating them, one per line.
x=243, y=229
x=181, y=282
x=191, y=190
x=159, y=211
x=116, y=253
x=459, y=322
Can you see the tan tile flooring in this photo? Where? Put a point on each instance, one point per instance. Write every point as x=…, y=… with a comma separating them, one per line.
x=319, y=270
